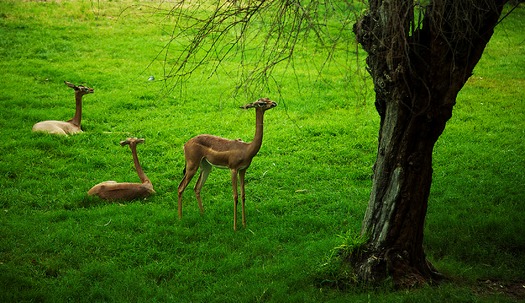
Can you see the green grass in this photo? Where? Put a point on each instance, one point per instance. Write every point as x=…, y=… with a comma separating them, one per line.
x=306, y=189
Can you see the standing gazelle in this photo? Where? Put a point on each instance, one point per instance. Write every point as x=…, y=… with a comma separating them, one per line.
x=205, y=151
x=66, y=127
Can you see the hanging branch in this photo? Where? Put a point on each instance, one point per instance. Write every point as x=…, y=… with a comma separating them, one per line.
x=207, y=34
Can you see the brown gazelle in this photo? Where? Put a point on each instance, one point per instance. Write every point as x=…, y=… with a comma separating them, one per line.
x=66, y=127
x=205, y=151
x=111, y=190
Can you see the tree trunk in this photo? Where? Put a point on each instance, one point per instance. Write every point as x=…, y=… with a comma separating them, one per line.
x=418, y=68
x=394, y=220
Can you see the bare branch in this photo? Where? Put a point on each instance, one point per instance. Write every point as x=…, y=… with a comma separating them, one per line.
x=208, y=34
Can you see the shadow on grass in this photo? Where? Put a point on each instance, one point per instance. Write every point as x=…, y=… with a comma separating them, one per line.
x=92, y=201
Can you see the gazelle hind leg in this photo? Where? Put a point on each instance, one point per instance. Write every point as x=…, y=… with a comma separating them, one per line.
x=190, y=172
x=205, y=172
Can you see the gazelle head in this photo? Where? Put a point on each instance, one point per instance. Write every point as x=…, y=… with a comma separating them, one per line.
x=82, y=90
x=131, y=141
x=263, y=103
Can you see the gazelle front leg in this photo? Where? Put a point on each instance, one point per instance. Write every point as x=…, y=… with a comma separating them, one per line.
x=242, y=173
x=235, y=197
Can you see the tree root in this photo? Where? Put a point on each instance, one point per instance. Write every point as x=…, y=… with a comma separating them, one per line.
x=375, y=267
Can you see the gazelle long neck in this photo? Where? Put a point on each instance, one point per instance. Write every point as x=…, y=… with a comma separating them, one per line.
x=78, y=112
x=256, y=144
x=140, y=172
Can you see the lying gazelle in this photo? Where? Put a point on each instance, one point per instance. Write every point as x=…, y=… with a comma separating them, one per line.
x=112, y=191
x=66, y=127
x=205, y=151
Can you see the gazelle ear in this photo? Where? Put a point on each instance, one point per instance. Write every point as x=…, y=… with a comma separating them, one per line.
x=125, y=142
x=261, y=102
x=130, y=141
x=70, y=84
x=250, y=105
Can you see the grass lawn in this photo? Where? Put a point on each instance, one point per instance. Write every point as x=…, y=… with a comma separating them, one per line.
x=307, y=189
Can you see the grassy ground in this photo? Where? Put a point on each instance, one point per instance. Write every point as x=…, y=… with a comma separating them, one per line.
x=307, y=187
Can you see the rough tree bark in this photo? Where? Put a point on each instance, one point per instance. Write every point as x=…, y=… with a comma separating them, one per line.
x=419, y=59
